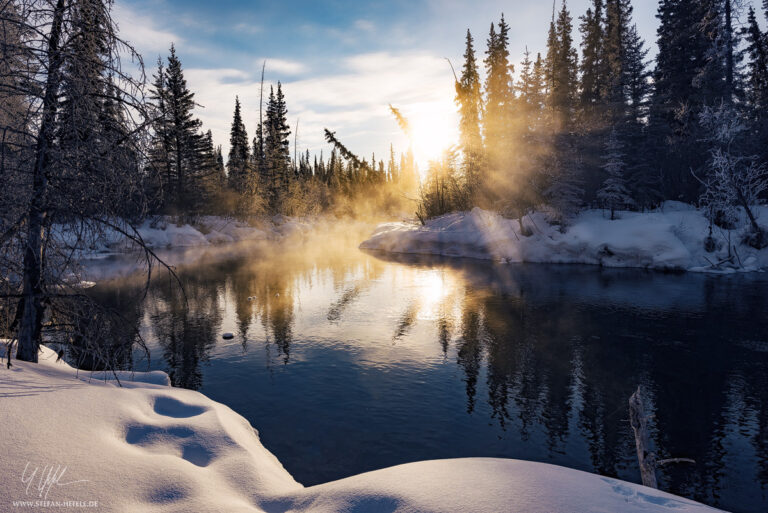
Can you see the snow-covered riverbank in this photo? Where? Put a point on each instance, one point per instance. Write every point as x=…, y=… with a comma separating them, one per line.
x=166, y=232
x=65, y=436
x=670, y=238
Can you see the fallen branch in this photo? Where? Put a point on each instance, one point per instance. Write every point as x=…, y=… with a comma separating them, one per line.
x=670, y=461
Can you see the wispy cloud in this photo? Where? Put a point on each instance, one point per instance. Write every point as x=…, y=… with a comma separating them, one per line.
x=285, y=67
x=353, y=101
x=143, y=32
x=365, y=25
x=248, y=28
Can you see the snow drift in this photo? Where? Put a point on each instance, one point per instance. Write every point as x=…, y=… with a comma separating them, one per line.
x=86, y=444
x=670, y=238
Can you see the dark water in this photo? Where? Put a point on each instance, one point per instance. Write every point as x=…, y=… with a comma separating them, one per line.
x=348, y=362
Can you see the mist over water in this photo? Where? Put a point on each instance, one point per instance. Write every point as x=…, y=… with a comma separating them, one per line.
x=348, y=361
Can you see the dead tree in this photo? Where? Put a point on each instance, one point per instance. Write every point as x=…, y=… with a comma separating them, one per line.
x=645, y=457
x=83, y=140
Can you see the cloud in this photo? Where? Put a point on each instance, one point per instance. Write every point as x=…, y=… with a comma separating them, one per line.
x=364, y=26
x=285, y=67
x=353, y=100
x=247, y=28
x=143, y=33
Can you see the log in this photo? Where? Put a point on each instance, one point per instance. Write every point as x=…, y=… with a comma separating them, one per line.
x=639, y=421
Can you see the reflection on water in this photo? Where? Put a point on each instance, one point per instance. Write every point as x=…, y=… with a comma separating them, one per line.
x=348, y=362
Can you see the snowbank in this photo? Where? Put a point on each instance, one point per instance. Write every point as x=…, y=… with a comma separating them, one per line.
x=163, y=233
x=65, y=436
x=671, y=238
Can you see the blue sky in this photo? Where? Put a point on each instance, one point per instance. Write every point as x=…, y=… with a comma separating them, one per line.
x=341, y=62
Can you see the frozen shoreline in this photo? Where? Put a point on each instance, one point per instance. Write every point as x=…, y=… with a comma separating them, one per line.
x=671, y=238
x=148, y=447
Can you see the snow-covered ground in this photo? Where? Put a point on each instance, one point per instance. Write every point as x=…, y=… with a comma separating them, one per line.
x=669, y=238
x=147, y=447
x=168, y=233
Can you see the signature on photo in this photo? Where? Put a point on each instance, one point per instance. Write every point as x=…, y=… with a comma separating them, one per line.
x=42, y=479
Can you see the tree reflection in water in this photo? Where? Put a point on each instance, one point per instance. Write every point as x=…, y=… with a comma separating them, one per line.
x=547, y=355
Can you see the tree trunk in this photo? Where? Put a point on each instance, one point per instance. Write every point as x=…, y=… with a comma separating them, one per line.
x=30, y=327
x=729, y=53
x=639, y=421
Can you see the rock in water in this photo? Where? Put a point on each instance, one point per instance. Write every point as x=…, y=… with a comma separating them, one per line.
x=227, y=336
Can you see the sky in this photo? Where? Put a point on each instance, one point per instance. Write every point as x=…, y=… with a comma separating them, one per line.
x=340, y=62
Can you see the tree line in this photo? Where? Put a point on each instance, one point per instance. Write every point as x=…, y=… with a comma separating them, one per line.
x=601, y=125
x=261, y=176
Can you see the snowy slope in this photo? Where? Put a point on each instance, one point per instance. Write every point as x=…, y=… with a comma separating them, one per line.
x=670, y=238
x=147, y=447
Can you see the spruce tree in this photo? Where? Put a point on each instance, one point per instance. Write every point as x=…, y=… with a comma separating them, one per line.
x=277, y=148
x=183, y=129
x=469, y=98
x=238, y=164
x=526, y=90
x=685, y=79
x=614, y=193
x=756, y=51
x=592, y=62
x=618, y=17
x=564, y=192
x=499, y=97
x=757, y=65
x=636, y=77
x=211, y=177
x=565, y=85
x=160, y=150
x=83, y=87
x=537, y=89
x=392, y=174
x=551, y=63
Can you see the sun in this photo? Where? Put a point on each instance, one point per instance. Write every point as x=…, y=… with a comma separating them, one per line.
x=433, y=131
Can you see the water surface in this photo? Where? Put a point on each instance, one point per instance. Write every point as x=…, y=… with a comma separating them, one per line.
x=347, y=361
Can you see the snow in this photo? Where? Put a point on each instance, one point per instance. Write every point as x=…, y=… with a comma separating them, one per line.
x=165, y=233
x=671, y=238
x=67, y=436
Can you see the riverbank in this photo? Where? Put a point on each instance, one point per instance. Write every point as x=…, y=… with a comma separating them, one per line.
x=670, y=238
x=170, y=232
x=68, y=436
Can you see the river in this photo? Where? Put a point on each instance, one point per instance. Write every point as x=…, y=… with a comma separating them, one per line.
x=347, y=361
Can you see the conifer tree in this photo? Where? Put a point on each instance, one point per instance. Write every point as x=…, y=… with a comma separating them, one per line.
x=176, y=130
x=538, y=86
x=469, y=98
x=277, y=148
x=551, y=62
x=564, y=193
x=618, y=17
x=593, y=59
x=526, y=90
x=211, y=177
x=392, y=174
x=614, y=193
x=238, y=164
x=499, y=97
x=757, y=81
x=565, y=80
x=636, y=77
x=83, y=87
x=160, y=150
x=757, y=53
x=685, y=79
